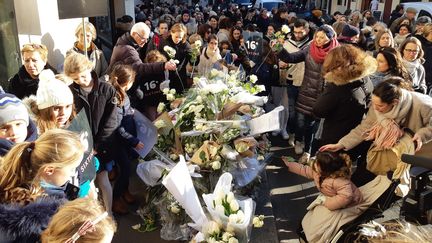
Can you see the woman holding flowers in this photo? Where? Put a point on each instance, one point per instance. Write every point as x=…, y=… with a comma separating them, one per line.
x=313, y=84
x=177, y=48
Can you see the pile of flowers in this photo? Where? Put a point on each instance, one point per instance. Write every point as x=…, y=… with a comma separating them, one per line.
x=209, y=126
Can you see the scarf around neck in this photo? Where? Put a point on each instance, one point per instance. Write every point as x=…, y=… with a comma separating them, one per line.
x=387, y=129
x=318, y=54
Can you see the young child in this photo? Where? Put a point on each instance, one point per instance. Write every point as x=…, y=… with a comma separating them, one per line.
x=98, y=100
x=331, y=173
x=15, y=125
x=68, y=223
x=149, y=88
x=33, y=176
x=122, y=78
x=52, y=107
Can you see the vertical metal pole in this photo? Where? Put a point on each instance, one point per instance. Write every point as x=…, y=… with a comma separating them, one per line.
x=85, y=40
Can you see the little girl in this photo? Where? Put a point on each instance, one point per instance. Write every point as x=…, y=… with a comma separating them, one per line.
x=33, y=177
x=67, y=224
x=331, y=173
x=122, y=78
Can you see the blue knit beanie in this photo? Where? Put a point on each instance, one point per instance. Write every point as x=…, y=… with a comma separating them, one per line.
x=11, y=109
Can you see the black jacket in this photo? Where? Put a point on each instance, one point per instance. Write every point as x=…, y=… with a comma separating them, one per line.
x=342, y=107
x=24, y=224
x=183, y=54
x=100, y=108
x=22, y=85
x=32, y=135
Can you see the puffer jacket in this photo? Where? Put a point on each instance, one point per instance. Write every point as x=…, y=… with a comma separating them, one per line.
x=345, y=99
x=313, y=82
x=340, y=192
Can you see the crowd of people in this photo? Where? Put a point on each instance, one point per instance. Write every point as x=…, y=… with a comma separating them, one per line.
x=351, y=84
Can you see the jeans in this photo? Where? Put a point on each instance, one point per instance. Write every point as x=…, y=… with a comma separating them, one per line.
x=292, y=100
x=306, y=128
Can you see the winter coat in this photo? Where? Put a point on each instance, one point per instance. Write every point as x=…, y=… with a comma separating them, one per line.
x=126, y=52
x=183, y=54
x=378, y=77
x=296, y=71
x=313, y=82
x=96, y=56
x=427, y=48
x=418, y=120
x=127, y=128
x=26, y=223
x=23, y=85
x=340, y=192
x=100, y=108
x=345, y=100
x=32, y=135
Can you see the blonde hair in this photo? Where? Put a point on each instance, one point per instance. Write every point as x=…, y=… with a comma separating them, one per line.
x=179, y=27
x=32, y=47
x=427, y=29
x=193, y=38
x=45, y=119
x=71, y=216
x=396, y=231
x=89, y=27
x=22, y=166
x=76, y=63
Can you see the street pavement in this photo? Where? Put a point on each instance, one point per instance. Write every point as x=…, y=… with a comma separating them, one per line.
x=283, y=198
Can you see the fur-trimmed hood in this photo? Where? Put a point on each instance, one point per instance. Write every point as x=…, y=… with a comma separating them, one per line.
x=25, y=223
x=352, y=72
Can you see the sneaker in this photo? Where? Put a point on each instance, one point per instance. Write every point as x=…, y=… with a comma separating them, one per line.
x=298, y=147
x=291, y=140
x=304, y=159
x=274, y=134
x=285, y=135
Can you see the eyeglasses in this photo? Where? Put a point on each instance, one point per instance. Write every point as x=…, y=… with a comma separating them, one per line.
x=412, y=51
x=142, y=37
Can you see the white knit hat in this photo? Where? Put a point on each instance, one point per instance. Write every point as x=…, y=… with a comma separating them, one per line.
x=52, y=91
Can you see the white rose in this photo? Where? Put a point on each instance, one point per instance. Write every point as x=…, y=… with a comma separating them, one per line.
x=257, y=222
x=211, y=240
x=233, y=240
x=214, y=72
x=285, y=29
x=236, y=124
x=260, y=88
x=199, y=126
x=230, y=197
x=233, y=218
x=253, y=78
x=173, y=156
x=175, y=209
x=198, y=99
x=170, y=97
x=161, y=107
x=216, y=165
x=226, y=236
x=234, y=205
x=172, y=91
x=159, y=124
x=165, y=91
x=198, y=43
x=260, y=157
x=240, y=216
x=214, y=228
x=220, y=209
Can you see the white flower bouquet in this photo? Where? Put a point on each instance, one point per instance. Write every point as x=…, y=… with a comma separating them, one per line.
x=232, y=214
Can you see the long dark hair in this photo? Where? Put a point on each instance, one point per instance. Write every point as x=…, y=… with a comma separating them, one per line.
x=119, y=77
x=394, y=60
